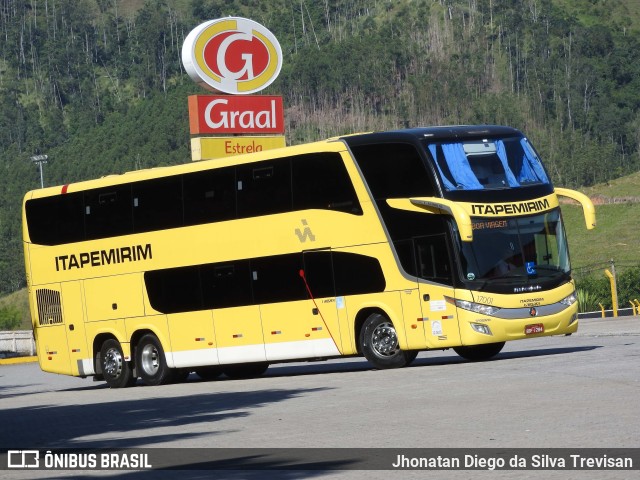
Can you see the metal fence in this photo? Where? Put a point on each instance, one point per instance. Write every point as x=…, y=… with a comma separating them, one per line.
x=18, y=342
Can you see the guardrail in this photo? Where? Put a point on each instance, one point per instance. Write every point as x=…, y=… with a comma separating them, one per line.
x=622, y=312
x=17, y=342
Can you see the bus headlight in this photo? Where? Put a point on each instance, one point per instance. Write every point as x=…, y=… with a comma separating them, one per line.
x=479, y=308
x=570, y=300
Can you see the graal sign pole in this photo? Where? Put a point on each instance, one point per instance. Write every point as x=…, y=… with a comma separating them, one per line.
x=235, y=57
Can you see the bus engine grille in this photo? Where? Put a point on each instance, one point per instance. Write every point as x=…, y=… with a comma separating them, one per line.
x=49, y=307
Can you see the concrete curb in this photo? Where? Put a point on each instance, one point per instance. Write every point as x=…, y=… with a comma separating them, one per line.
x=17, y=360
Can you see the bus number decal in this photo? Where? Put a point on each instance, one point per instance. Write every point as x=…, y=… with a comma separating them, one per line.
x=485, y=300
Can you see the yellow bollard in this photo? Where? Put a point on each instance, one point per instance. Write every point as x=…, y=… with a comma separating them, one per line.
x=633, y=307
x=602, y=308
x=614, y=291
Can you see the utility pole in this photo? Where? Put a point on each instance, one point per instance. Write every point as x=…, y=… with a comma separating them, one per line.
x=40, y=160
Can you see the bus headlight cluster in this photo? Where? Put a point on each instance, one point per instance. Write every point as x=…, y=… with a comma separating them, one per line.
x=570, y=300
x=474, y=307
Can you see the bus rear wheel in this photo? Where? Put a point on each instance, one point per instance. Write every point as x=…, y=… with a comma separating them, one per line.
x=151, y=364
x=477, y=353
x=379, y=343
x=116, y=371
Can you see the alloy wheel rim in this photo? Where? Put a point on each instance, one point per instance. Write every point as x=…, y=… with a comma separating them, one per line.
x=384, y=340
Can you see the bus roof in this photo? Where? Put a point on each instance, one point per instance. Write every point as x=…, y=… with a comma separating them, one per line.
x=452, y=132
x=329, y=145
x=334, y=144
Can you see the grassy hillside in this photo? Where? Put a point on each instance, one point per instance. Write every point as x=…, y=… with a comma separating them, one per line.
x=20, y=301
x=616, y=234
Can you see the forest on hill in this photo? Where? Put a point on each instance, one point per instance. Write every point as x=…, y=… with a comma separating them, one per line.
x=98, y=85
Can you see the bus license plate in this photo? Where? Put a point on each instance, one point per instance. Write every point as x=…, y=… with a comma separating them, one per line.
x=533, y=328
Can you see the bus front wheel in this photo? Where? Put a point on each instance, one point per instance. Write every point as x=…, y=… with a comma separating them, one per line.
x=151, y=364
x=208, y=373
x=116, y=371
x=477, y=353
x=379, y=343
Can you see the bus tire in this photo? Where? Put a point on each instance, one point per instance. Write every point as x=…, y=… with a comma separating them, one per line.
x=411, y=355
x=245, y=370
x=208, y=373
x=116, y=371
x=151, y=363
x=379, y=343
x=477, y=353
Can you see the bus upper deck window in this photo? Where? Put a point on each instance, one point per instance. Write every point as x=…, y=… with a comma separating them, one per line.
x=488, y=163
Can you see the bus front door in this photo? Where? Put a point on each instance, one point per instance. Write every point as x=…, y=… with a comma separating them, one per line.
x=435, y=275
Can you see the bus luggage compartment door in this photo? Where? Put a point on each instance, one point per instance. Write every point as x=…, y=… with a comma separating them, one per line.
x=439, y=317
x=80, y=356
x=239, y=335
x=300, y=330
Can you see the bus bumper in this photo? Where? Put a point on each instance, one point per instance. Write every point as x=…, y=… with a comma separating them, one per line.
x=476, y=330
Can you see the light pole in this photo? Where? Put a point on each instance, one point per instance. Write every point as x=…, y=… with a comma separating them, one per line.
x=39, y=160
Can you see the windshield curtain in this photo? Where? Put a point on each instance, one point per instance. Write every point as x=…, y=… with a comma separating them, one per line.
x=516, y=251
x=493, y=163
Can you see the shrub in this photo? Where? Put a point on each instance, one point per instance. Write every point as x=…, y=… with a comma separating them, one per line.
x=10, y=318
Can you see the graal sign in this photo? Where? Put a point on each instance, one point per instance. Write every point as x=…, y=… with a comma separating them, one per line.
x=232, y=55
x=235, y=114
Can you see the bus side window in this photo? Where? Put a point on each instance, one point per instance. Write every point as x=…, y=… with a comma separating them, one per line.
x=209, y=196
x=321, y=181
x=174, y=290
x=108, y=212
x=318, y=270
x=357, y=274
x=56, y=220
x=394, y=170
x=157, y=204
x=226, y=285
x=406, y=254
x=264, y=188
x=433, y=258
x=277, y=279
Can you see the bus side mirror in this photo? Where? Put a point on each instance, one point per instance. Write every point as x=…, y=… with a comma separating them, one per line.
x=437, y=206
x=587, y=205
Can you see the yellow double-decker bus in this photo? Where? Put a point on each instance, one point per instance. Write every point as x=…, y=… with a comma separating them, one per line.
x=379, y=244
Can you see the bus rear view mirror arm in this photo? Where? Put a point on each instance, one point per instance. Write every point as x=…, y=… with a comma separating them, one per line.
x=587, y=205
x=437, y=206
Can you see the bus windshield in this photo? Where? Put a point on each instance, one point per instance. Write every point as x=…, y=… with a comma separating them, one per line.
x=516, y=254
x=487, y=164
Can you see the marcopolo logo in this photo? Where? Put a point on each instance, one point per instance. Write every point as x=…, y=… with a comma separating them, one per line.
x=232, y=55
